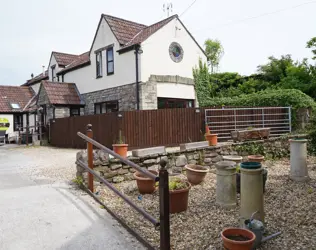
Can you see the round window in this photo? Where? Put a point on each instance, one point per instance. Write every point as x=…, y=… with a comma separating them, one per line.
x=176, y=52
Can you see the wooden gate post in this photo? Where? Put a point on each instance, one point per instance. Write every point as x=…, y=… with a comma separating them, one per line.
x=164, y=206
x=90, y=157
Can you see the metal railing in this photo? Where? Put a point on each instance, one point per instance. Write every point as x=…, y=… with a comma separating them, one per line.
x=164, y=221
x=37, y=127
x=223, y=121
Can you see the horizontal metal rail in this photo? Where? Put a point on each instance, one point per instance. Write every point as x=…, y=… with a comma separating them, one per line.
x=117, y=192
x=218, y=109
x=122, y=159
x=253, y=115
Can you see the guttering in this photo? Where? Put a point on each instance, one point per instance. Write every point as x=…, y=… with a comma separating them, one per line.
x=137, y=51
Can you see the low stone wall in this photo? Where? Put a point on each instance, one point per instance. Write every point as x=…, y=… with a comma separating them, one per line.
x=115, y=171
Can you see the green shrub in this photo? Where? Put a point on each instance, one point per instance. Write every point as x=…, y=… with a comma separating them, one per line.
x=278, y=98
x=281, y=97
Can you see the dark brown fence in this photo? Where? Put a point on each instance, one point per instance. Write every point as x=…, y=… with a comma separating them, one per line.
x=168, y=127
x=146, y=128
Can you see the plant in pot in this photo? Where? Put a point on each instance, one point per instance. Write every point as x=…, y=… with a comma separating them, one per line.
x=179, y=195
x=238, y=239
x=145, y=184
x=120, y=147
x=196, y=173
x=211, y=138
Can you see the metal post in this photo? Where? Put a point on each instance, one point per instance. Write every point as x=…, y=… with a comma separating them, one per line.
x=164, y=206
x=40, y=131
x=27, y=135
x=290, y=120
x=235, y=119
x=90, y=157
x=19, y=140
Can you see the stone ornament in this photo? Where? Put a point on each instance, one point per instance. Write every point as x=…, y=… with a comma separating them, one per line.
x=176, y=52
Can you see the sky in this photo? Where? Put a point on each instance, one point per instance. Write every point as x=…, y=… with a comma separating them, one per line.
x=31, y=30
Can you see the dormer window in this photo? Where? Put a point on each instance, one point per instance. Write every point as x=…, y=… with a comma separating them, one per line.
x=109, y=61
x=53, y=72
x=99, y=64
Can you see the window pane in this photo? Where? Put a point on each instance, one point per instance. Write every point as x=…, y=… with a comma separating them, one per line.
x=97, y=108
x=103, y=108
x=110, y=67
x=99, y=63
x=111, y=107
x=110, y=54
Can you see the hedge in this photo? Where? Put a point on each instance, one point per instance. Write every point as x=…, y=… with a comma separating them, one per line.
x=277, y=98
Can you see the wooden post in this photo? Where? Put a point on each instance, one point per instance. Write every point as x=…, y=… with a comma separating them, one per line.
x=164, y=206
x=90, y=157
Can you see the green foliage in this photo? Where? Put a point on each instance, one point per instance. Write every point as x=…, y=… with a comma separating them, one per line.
x=289, y=97
x=214, y=51
x=270, y=153
x=201, y=158
x=311, y=44
x=311, y=130
x=79, y=181
x=177, y=184
x=201, y=77
x=120, y=139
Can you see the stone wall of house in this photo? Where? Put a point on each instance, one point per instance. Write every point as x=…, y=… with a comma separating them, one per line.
x=125, y=95
x=115, y=171
x=148, y=90
x=148, y=95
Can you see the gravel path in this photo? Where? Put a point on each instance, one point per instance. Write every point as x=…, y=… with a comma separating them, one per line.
x=40, y=210
x=50, y=163
x=290, y=208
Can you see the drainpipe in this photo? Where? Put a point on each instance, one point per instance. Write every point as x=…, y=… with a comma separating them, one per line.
x=137, y=52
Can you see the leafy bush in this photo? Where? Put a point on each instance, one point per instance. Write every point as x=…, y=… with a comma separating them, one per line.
x=282, y=97
x=278, y=98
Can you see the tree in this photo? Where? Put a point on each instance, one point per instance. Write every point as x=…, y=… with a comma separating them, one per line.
x=311, y=44
x=275, y=70
x=214, y=52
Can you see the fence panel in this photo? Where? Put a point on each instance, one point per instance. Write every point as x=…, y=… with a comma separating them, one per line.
x=146, y=128
x=222, y=121
x=169, y=127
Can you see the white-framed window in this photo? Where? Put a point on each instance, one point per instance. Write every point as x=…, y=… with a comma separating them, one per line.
x=99, y=64
x=109, y=61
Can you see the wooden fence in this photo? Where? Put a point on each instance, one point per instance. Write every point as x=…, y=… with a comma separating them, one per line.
x=146, y=128
x=149, y=128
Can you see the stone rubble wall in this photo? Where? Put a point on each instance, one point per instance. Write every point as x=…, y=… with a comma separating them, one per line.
x=115, y=171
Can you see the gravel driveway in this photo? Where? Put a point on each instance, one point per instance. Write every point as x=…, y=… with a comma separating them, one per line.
x=39, y=209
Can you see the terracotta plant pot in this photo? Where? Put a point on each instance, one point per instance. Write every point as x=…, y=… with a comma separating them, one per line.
x=196, y=173
x=179, y=199
x=238, y=239
x=120, y=149
x=145, y=185
x=212, y=139
x=256, y=158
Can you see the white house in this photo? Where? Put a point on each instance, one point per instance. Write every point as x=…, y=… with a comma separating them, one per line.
x=129, y=66
x=15, y=110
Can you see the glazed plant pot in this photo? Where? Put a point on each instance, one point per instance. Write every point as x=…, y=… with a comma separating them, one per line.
x=238, y=239
x=179, y=199
x=196, y=173
x=145, y=185
x=120, y=149
x=212, y=139
x=256, y=158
